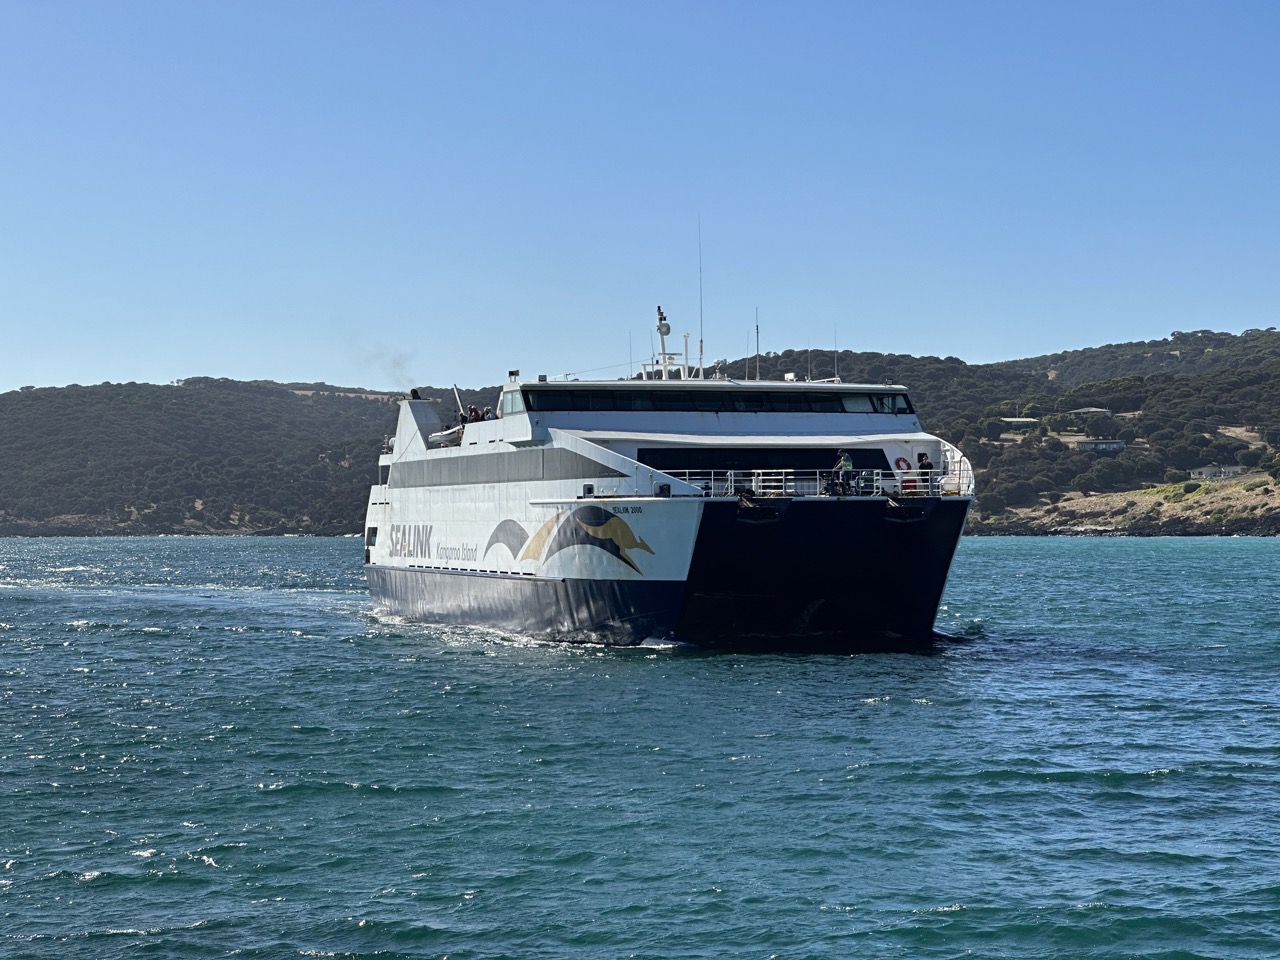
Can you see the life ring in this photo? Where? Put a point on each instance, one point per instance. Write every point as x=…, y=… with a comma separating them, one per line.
x=902, y=464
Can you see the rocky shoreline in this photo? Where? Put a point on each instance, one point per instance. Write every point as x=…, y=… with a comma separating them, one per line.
x=1246, y=506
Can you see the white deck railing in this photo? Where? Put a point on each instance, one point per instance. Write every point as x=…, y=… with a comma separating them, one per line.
x=955, y=481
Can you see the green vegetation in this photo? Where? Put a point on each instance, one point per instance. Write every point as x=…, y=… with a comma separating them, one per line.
x=1178, y=404
x=206, y=455
x=1177, y=492
x=202, y=455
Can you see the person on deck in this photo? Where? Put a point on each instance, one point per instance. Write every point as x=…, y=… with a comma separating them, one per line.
x=843, y=471
x=928, y=477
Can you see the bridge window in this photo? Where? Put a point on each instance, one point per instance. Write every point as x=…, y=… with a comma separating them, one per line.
x=512, y=402
x=704, y=401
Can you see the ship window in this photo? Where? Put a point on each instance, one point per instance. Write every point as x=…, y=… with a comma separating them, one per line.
x=629, y=400
x=707, y=402
x=758, y=458
x=537, y=400
x=892, y=403
x=672, y=400
x=512, y=402
x=704, y=401
x=371, y=537
x=788, y=402
x=856, y=403
x=507, y=467
x=824, y=402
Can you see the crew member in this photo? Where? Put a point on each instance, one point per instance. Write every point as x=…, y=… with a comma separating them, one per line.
x=928, y=479
x=843, y=470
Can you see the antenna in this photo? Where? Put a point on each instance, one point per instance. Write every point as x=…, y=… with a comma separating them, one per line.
x=700, y=295
x=757, y=343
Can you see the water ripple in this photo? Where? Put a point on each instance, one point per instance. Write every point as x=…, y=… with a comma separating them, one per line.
x=211, y=749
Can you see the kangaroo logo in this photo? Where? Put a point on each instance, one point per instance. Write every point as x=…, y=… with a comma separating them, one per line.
x=586, y=526
x=594, y=527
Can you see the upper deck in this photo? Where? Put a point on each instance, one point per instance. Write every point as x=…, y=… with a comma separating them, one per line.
x=708, y=434
x=706, y=396
x=713, y=407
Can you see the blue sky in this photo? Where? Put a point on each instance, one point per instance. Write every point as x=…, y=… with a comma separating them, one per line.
x=385, y=194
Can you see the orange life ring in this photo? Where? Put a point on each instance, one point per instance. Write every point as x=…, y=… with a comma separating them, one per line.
x=903, y=464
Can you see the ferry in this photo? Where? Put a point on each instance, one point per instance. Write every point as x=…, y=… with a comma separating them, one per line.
x=712, y=512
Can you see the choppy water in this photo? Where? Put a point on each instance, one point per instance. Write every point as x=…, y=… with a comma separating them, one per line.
x=208, y=748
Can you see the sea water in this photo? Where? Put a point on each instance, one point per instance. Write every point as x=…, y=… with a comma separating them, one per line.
x=211, y=748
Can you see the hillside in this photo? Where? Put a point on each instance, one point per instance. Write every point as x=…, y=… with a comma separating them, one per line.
x=218, y=456
x=1120, y=376
x=1247, y=506
x=1192, y=401
x=199, y=456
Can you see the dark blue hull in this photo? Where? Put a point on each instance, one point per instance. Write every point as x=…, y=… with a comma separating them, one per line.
x=846, y=575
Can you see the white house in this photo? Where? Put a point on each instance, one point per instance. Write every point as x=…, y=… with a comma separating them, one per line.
x=1100, y=446
x=1215, y=472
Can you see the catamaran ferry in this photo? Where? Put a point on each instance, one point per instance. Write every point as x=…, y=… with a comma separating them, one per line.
x=712, y=512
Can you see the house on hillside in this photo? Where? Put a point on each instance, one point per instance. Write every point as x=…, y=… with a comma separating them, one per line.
x=1215, y=472
x=1100, y=446
x=1090, y=412
x=1020, y=423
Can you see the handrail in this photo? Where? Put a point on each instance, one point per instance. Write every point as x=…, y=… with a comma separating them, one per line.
x=955, y=481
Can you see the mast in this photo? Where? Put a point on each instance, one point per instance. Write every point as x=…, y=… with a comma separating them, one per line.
x=664, y=358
